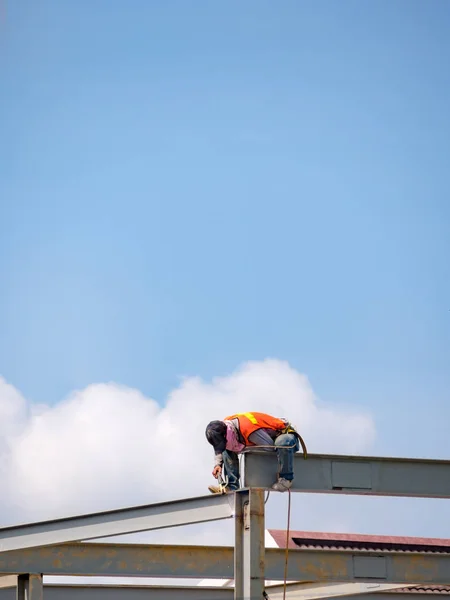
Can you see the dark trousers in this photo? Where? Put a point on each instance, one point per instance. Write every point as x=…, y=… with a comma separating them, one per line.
x=287, y=445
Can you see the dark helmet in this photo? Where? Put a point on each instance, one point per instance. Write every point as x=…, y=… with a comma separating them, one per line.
x=216, y=434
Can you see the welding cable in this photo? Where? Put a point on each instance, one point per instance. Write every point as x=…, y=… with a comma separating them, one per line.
x=286, y=554
x=297, y=435
x=305, y=451
x=286, y=559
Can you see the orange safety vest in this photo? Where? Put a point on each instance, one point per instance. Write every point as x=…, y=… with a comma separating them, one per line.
x=250, y=422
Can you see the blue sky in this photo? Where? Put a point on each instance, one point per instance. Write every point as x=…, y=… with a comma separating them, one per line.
x=188, y=186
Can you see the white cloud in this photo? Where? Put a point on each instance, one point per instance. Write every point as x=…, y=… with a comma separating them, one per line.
x=108, y=446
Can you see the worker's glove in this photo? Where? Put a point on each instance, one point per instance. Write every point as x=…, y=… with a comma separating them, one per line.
x=217, y=471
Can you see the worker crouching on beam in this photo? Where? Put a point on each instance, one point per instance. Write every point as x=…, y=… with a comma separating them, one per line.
x=235, y=433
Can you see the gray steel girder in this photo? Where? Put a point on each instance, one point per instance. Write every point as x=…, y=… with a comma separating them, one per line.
x=212, y=562
x=117, y=522
x=359, y=475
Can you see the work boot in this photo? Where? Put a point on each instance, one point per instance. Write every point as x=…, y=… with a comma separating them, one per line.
x=217, y=489
x=282, y=485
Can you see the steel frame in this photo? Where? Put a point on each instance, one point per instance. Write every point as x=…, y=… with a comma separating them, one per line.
x=110, y=592
x=356, y=475
x=30, y=587
x=158, y=592
x=322, y=591
x=117, y=522
x=249, y=550
x=222, y=562
x=54, y=547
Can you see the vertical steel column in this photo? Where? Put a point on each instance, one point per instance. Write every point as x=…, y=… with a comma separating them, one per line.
x=249, y=546
x=30, y=587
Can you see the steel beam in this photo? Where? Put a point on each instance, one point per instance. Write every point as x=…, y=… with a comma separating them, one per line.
x=249, y=545
x=107, y=592
x=212, y=562
x=8, y=581
x=30, y=587
x=117, y=522
x=127, y=560
x=322, y=591
x=384, y=596
x=360, y=475
x=361, y=566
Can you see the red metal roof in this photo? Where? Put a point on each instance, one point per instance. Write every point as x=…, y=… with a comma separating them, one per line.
x=315, y=540
x=350, y=541
x=423, y=589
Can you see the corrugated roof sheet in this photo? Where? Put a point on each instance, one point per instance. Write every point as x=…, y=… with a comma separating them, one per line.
x=315, y=540
x=349, y=541
x=423, y=589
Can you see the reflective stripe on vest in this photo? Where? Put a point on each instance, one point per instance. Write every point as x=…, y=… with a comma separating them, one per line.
x=250, y=422
x=251, y=418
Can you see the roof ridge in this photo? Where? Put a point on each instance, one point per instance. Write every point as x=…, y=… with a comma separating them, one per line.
x=362, y=537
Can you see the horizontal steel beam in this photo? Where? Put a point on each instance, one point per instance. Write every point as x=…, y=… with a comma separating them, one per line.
x=360, y=475
x=322, y=591
x=128, y=560
x=103, y=592
x=212, y=562
x=7, y=581
x=106, y=592
x=383, y=596
x=117, y=522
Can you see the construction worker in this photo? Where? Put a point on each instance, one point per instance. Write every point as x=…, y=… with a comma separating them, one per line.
x=233, y=434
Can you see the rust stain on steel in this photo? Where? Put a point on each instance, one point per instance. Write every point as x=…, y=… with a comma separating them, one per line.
x=327, y=568
x=101, y=558
x=416, y=568
x=200, y=559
